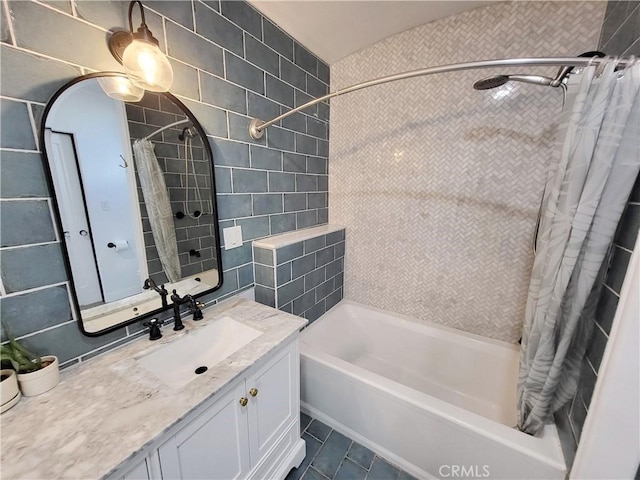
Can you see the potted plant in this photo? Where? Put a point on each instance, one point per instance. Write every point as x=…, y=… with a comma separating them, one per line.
x=9, y=392
x=35, y=374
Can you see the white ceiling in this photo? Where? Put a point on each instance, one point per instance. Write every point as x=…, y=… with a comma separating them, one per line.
x=335, y=29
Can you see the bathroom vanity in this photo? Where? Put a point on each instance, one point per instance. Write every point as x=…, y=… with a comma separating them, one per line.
x=112, y=417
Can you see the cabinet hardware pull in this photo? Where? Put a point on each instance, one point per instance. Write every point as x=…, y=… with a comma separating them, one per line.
x=243, y=401
x=253, y=392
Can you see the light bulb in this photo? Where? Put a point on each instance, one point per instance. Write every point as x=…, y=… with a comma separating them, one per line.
x=147, y=66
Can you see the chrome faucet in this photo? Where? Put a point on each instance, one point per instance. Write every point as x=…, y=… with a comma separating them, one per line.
x=194, y=306
x=148, y=283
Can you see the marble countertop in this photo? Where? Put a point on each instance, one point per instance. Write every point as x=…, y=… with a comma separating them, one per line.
x=108, y=409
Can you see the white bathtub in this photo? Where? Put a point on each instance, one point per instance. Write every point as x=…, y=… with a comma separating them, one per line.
x=436, y=401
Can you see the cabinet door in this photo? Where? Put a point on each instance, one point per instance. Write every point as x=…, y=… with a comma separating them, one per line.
x=139, y=472
x=214, y=446
x=276, y=403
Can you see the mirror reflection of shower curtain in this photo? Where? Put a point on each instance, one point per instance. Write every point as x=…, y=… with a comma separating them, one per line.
x=156, y=198
x=597, y=161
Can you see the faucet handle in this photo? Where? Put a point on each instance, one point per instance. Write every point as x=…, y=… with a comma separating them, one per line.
x=195, y=309
x=154, y=328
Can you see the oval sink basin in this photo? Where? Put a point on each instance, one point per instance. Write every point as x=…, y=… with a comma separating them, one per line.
x=176, y=363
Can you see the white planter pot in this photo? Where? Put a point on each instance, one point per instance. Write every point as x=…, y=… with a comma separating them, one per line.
x=9, y=392
x=42, y=380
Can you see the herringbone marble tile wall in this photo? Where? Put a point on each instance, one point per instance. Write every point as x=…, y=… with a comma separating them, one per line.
x=439, y=185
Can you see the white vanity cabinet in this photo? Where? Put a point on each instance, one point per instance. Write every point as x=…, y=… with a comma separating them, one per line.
x=215, y=445
x=147, y=469
x=252, y=430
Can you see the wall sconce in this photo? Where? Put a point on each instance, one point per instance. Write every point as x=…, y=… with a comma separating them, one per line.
x=145, y=65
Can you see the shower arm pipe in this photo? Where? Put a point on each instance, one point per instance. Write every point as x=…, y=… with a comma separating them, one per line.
x=257, y=126
x=166, y=127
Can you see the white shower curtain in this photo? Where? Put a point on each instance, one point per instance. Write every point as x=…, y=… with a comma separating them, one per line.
x=156, y=199
x=597, y=161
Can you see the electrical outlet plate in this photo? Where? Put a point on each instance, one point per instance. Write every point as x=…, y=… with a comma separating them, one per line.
x=232, y=237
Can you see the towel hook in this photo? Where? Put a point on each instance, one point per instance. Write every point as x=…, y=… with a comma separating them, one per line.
x=125, y=162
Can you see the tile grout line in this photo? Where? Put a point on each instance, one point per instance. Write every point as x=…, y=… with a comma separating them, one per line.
x=322, y=443
x=399, y=470
x=344, y=457
x=624, y=249
x=18, y=150
x=627, y=19
x=599, y=327
x=71, y=15
x=22, y=100
x=626, y=54
x=7, y=13
x=27, y=245
x=611, y=289
x=322, y=475
x=34, y=289
x=25, y=199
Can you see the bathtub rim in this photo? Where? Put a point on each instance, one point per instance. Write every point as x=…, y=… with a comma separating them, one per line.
x=413, y=324
x=546, y=448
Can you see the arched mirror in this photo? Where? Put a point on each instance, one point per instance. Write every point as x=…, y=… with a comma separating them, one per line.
x=134, y=197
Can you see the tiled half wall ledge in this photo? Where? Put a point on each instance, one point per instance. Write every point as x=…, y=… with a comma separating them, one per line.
x=301, y=272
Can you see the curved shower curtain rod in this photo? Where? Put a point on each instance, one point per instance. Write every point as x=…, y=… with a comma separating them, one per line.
x=257, y=126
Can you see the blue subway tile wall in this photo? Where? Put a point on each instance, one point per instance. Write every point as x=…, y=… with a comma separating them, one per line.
x=308, y=278
x=620, y=36
x=620, y=33
x=144, y=118
x=230, y=63
x=571, y=417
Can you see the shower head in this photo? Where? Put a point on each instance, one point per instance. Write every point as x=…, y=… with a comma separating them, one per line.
x=499, y=80
x=491, y=82
x=186, y=132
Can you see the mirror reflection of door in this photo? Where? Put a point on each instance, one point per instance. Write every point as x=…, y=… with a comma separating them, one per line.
x=74, y=217
x=98, y=126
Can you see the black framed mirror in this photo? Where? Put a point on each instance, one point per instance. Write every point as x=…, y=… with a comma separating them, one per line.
x=134, y=199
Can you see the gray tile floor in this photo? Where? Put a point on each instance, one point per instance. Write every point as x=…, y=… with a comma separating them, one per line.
x=332, y=456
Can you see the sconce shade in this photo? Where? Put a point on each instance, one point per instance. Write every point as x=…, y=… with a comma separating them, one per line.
x=144, y=63
x=121, y=88
x=147, y=66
